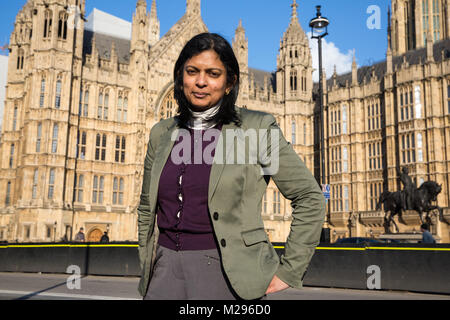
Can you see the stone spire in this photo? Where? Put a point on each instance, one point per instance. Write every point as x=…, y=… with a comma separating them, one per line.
x=140, y=27
x=153, y=12
x=193, y=7
x=389, y=64
x=240, y=32
x=294, y=7
x=240, y=48
x=295, y=33
x=354, y=71
x=154, y=32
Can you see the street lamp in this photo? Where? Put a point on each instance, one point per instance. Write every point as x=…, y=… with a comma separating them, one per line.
x=319, y=30
x=54, y=231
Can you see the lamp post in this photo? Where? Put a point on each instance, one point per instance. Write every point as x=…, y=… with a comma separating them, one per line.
x=319, y=30
x=54, y=231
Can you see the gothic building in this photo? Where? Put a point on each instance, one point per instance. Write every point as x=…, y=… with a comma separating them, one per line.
x=80, y=105
x=389, y=115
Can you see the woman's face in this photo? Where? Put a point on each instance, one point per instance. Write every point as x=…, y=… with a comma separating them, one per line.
x=205, y=80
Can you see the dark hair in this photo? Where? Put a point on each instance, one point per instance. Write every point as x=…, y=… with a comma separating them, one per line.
x=425, y=226
x=198, y=44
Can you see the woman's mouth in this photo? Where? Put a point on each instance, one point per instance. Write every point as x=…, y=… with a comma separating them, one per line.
x=199, y=95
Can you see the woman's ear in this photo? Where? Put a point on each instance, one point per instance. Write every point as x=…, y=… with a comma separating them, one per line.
x=231, y=85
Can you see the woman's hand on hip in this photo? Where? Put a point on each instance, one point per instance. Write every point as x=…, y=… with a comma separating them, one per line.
x=276, y=285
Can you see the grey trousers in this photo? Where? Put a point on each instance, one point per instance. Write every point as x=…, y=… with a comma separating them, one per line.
x=188, y=275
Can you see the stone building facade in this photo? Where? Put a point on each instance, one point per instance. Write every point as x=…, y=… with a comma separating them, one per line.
x=390, y=115
x=80, y=106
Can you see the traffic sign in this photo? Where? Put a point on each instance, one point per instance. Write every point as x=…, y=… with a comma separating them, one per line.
x=326, y=189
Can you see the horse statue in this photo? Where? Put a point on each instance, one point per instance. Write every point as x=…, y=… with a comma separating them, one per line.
x=422, y=199
x=394, y=204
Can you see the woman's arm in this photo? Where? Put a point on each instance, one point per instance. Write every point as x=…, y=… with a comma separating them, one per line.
x=296, y=183
x=145, y=225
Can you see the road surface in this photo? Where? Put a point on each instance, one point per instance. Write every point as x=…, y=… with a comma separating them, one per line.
x=22, y=286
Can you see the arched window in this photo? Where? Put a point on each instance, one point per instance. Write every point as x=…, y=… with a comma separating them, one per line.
x=345, y=159
x=48, y=19
x=119, y=111
x=436, y=21
x=55, y=139
x=125, y=109
x=81, y=154
x=38, y=138
x=42, y=96
x=100, y=147
x=35, y=184
x=106, y=106
x=122, y=107
x=51, y=184
x=276, y=202
x=120, y=149
x=420, y=147
x=294, y=132
x=79, y=186
x=293, y=81
x=118, y=189
x=58, y=94
x=62, y=25
x=20, y=58
x=344, y=119
x=97, y=190
x=14, y=124
x=84, y=102
x=8, y=194
x=100, y=105
x=11, y=156
x=168, y=107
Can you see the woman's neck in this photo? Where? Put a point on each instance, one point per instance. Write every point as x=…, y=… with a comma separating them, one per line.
x=201, y=120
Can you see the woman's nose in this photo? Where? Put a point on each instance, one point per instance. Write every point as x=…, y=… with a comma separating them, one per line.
x=201, y=80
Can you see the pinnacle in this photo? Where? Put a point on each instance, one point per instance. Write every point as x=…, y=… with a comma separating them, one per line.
x=141, y=3
x=153, y=9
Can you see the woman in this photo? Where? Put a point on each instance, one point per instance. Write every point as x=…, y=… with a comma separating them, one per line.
x=201, y=234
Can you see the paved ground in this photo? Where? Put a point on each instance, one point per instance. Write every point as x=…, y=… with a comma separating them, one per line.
x=20, y=286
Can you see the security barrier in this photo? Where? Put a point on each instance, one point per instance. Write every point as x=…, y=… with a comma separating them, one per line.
x=117, y=259
x=406, y=267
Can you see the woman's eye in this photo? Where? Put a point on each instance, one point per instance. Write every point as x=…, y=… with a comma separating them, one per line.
x=214, y=74
x=190, y=71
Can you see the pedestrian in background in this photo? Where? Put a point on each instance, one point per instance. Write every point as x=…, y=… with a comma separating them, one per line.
x=104, y=238
x=80, y=236
x=201, y=233
x=427, y=237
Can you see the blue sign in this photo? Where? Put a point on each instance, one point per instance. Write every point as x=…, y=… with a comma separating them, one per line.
x=326, y=189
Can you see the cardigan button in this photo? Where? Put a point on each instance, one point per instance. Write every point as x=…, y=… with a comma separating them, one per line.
x=216, y=216
x=223, y=243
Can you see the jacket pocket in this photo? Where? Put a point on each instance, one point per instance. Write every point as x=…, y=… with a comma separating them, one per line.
x=253, y=237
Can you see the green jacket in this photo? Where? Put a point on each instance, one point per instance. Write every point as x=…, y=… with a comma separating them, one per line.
x=234, y=199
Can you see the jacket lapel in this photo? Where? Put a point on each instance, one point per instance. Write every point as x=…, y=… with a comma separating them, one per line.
x=220, y=159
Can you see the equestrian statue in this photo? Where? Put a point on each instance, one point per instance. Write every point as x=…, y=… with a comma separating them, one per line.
x=410, y=198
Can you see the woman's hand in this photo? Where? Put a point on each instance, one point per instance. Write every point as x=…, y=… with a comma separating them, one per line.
x=276, y=285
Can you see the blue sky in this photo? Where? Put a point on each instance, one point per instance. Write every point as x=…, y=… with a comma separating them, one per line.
x=265, y=22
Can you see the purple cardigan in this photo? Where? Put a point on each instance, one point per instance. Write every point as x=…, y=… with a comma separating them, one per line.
x=183, y=215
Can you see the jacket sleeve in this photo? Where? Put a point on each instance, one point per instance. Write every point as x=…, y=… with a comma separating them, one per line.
x=145, y=224
x=296, y=183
